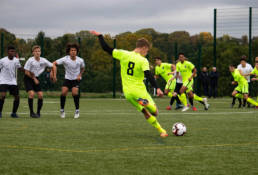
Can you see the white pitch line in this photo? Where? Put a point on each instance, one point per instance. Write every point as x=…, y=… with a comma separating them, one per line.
x=127, y=113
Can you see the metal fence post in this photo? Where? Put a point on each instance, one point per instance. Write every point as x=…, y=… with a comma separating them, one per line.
x=42, y=45
x=114, y=73
x=79, y=42
x=176, y=51
x=250, y=35
x=215, y=39
x=2, y=45
x=199, y=67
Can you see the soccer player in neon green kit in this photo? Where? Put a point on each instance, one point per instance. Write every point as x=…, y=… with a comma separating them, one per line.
x=188, y=72
x=134, y=66
x=254, y=73
x=166, y=71
x=241, y=91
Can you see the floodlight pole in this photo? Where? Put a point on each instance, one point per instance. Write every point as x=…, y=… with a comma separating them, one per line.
x=250, y=35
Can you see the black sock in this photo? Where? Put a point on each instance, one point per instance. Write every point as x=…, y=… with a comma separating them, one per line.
x=239, y=100
x=177, y=100
x=234, y=100
x=76, y=100
x=2, y=104
x=30, y=102
x=62, y=101
x=40, y=104
x=172, y=100
x=16, y=103
x=201, y=102
x=244, y=102
x=191, y=101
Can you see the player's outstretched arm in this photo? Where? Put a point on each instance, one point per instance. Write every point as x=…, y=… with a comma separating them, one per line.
x=247, y=74
x=193, y=74
x=103, y=44
x=53, y=72
x=79, y=77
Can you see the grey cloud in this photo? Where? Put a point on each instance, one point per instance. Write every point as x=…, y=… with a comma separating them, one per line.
x=56, y=17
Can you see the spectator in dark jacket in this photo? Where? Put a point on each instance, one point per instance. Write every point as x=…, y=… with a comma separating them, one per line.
x=214, y=76
x=205, y=81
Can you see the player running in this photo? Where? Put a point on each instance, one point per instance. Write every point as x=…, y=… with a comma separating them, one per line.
x=8, y=82
x=241, y=91
x=166, y=71
x=34, y=67
x=134, y=66
x=74, y=68
x=188, y=71
x=254, y=73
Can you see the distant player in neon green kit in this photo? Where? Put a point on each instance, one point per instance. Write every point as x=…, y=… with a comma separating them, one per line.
x=166, y=71
x=134, y=66
x=188, y=72
x=241, y=91
x=254, y=73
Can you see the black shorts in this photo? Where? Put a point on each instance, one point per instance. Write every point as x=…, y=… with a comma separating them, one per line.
x=13, y=89
x=71, y=83
x=178, y=87
x=30, y=84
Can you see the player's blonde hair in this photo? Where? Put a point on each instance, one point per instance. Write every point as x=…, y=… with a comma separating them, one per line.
x=35, y=47
x=142, y=42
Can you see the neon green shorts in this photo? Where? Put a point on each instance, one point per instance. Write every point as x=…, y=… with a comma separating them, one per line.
x=171, y=85
x=242, y=88
x=133, y=97
x=188, y=85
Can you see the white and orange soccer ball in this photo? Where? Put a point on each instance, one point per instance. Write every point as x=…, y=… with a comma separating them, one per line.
x=179, y=129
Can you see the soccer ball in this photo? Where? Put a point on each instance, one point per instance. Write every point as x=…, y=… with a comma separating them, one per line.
x=179, y=129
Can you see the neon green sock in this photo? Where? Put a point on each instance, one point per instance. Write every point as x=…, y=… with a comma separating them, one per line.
x=253, y=102
x=154, y=122
x=238, y=95
x=197, y=98
x=183, y=99
x=151, y=108
x=170, y=94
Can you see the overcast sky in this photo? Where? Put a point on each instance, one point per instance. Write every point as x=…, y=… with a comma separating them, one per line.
x=56, y=17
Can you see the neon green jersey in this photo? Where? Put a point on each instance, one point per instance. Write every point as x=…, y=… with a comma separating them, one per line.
x=133, y=66
x=163, y=71
x=185, y=70
x=255, y=71
x=240, y=79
